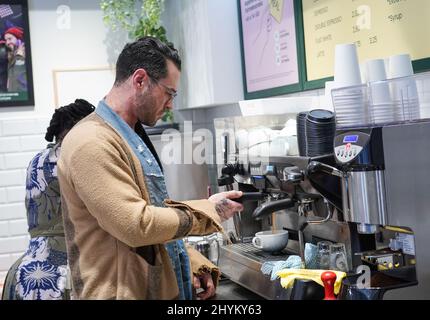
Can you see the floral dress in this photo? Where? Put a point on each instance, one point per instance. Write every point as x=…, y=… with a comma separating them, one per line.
x=41, y=273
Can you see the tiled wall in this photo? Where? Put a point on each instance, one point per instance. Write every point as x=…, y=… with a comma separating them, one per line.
x=20, y=140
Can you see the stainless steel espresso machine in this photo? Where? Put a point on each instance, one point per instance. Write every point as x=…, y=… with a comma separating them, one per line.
x=282, y=193
x=370, y=194
x=385, y=179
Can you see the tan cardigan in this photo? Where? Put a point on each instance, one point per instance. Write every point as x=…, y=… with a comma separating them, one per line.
x=114, y=236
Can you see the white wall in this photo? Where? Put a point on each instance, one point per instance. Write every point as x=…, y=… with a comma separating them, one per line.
x=86, y=44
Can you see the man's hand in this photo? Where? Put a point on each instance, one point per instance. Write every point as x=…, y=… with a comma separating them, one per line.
x=225, y=207
x=204, y=281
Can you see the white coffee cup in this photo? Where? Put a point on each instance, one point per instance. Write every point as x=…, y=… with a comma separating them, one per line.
x=346, y=66
x=375, y=70
x=400, y=66
x=271, y=241
x=380, y=91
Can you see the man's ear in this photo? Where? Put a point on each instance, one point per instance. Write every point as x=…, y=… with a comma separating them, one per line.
x=140, y=78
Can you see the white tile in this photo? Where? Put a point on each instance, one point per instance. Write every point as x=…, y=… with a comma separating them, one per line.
x=18, y=227
x=43, y=124
x=24, y=175
x=12, y=211
x=1, y=128
x=18, y=160
x=3, y=198
x=2, y=163
x=13, y=244
x=11, y=178
x=15, y=194
x=4, y=229
x=5, y=261
x=9, y=144
x=33, y=143
x=19, y=127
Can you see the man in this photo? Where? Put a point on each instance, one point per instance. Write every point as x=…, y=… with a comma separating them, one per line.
x=121, y=229
x=17, y=76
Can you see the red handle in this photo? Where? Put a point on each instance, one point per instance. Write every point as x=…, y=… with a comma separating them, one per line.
x=329, y=278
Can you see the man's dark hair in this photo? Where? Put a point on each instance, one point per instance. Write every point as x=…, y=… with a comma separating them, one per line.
x=148, y=53
x=66, y=117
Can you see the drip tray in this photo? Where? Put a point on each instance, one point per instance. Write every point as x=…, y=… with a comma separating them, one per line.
x=241, y=263
x=248, y=250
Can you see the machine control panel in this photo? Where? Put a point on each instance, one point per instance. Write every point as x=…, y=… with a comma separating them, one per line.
x=347, y=152
x=348, y=145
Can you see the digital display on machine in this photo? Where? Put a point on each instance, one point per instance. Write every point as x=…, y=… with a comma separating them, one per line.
x=350, y=139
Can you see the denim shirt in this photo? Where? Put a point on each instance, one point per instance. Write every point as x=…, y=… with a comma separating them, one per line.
x=157, y=190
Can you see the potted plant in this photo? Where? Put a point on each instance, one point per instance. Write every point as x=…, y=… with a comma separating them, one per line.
x=139, y=18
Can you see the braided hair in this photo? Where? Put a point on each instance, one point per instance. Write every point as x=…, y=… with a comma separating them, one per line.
x=64, y=118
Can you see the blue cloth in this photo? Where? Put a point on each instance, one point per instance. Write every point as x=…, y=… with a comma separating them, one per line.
x=270, y=268
x=157, y=190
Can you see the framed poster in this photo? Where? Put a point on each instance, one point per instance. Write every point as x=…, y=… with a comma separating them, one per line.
x=270, y=50
x=16, y=80
x=379, y=29
x=78, y=82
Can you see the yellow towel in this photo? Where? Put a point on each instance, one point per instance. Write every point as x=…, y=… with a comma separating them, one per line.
x=288, y=275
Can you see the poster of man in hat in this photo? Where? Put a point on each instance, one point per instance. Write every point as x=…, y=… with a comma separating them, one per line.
x=14, y=63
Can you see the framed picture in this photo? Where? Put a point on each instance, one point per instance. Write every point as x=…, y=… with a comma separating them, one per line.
x=378, y=28
x=270, y=47
x=16, y=80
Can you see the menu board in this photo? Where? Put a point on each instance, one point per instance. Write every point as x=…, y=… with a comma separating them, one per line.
x=269, y=44
x=379, y=28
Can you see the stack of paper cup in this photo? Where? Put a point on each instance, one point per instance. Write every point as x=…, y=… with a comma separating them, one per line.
x=350, y=104
x=381, y=107
x=363, y=73
x=404, y=90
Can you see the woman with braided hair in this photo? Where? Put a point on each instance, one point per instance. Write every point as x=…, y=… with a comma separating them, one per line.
x=41, y=272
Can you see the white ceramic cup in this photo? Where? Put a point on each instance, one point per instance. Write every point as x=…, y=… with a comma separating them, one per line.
x=271, y=241
x=346, y=66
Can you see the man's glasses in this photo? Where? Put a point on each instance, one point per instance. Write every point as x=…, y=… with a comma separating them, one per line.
x=171, y=92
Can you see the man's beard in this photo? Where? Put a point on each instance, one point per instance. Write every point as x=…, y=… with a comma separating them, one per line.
x=146, y=103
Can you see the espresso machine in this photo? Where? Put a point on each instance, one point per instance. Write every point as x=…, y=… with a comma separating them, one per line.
x=369, y=194
x=385, y=177
x=280, y=193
